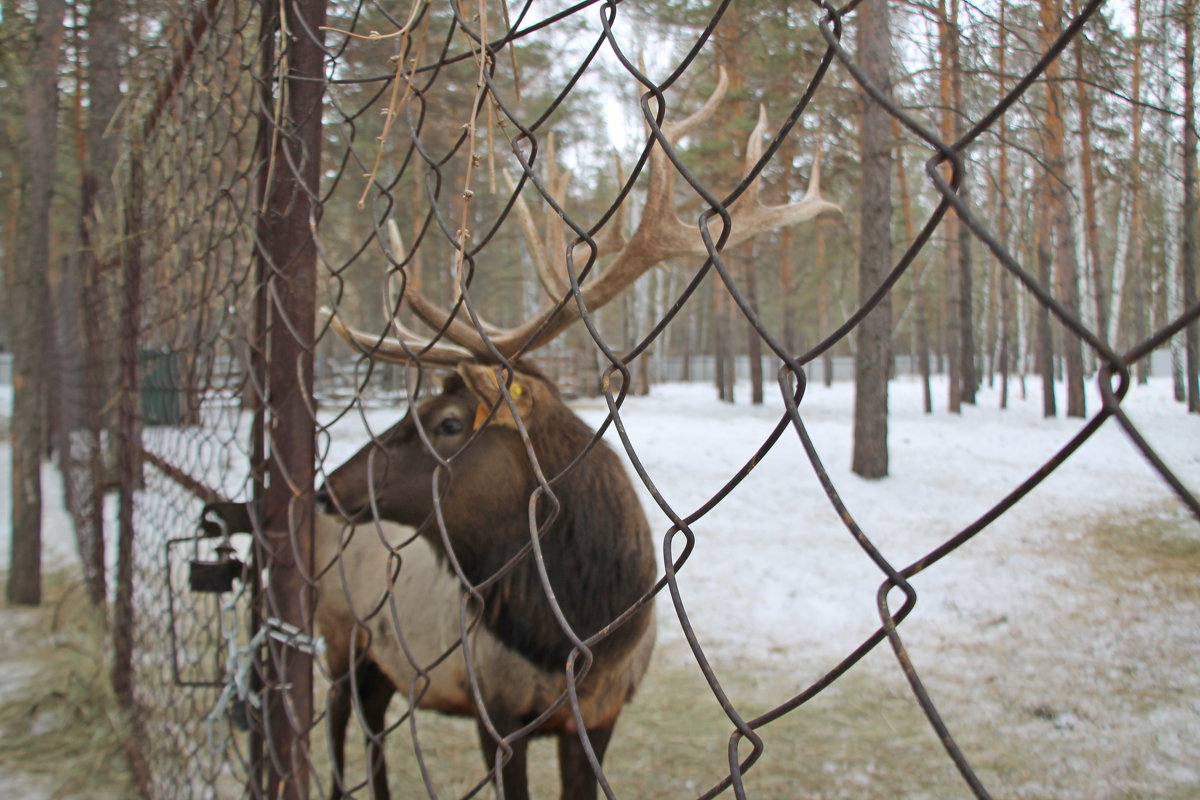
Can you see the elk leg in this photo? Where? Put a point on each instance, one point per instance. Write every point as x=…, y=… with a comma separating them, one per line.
x=514, y=777
x=578, y=779
x=375, y=691
x=337, y=706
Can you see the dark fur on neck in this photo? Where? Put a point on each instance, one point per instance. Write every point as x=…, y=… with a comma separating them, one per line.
x=597, y=551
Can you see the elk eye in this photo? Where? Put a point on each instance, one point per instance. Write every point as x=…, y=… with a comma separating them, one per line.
x=450, y=426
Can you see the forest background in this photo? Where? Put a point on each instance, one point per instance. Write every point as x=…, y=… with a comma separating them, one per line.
x=1088, y=180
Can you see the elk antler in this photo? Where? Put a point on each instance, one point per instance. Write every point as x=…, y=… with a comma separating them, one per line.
x=660, y=235
x=404, y=349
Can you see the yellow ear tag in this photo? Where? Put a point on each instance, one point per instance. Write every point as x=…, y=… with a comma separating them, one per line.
x=516, y=391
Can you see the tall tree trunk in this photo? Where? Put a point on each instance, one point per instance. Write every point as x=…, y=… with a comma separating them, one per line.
x=1139, y=276
x=104, y=98
x=966, y=312
x=27, y=309
x=1044, y=355
x=966, y=317
x=10, y=161
x=787, y=156
x=920, y=323
x=1091, y=230
x=725, y=367
x=1003, y=278
x=691, y=337
x=741, y=260
x=952, y=265
x=821, y=265
x=1188, y=255
x=873, y=359
x=754, y=348
x=1173, y=199
x=1066, y=267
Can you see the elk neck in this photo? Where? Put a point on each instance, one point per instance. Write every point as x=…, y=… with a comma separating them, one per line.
x=597, y=549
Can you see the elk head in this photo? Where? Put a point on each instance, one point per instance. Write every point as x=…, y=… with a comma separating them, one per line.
x=391, y=477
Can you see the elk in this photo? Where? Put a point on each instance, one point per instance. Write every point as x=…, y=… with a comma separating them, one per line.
x=535, y=592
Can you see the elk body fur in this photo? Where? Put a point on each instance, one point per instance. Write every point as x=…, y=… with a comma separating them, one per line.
x=388, y=620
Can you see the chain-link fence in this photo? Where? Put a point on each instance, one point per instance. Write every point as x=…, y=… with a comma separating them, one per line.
x=428, y=174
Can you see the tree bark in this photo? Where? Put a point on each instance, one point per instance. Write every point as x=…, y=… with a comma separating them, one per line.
x=920, y=322
x=952, y=265
x=754, y=348
x=1044, y=355
x=28, y=304
x=821, y=265
x=725, y=368
x=873, y=359
x=1066, y=266
x=1187, y=260
x=1139, y=276
x=1091, y=229
x=104, y=97
x=966, y=309
x=787, y=156
x=1003, y=278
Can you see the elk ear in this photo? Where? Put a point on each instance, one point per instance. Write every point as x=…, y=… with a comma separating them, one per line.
x=484, y=382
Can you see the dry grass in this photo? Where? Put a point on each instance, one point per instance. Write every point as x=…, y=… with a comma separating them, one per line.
x=60, y=727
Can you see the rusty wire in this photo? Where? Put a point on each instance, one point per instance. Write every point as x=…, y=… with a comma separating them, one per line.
x=199, y=267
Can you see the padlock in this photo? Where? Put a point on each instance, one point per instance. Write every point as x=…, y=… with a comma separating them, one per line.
x=215, y=577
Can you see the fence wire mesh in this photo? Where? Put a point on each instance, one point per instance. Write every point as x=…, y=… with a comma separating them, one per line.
x=442, y=167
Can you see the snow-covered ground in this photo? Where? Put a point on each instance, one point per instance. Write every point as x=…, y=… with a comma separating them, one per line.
x=776, y=580
x=58, y=537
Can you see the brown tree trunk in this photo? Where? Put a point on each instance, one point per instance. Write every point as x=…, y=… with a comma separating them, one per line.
x=1066, y=267
x=966, y=318
x=1044, y=353
x=754, y=348
x=952, y=265
x=920, y=323
x=873, y=359
x=27, y=309
x=820, y=264
x=1090, y=224
x=1003, y=278
x=966, y=310
x=1187, y=260
x=741, y=262
x=104, y=97
x=724, y=372
x=787, y=155
x=1138, y=276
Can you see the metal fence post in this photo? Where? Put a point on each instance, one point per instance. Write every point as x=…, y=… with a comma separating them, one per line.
x=129, y=473
x=287, y=269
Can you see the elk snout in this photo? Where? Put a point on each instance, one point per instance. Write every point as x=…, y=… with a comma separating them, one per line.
x=323, y=500
x=328, y=499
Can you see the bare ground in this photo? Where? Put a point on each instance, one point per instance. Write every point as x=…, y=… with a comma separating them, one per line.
x=61, y=733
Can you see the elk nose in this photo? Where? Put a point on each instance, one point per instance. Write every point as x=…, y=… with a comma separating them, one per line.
x=323, y=500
